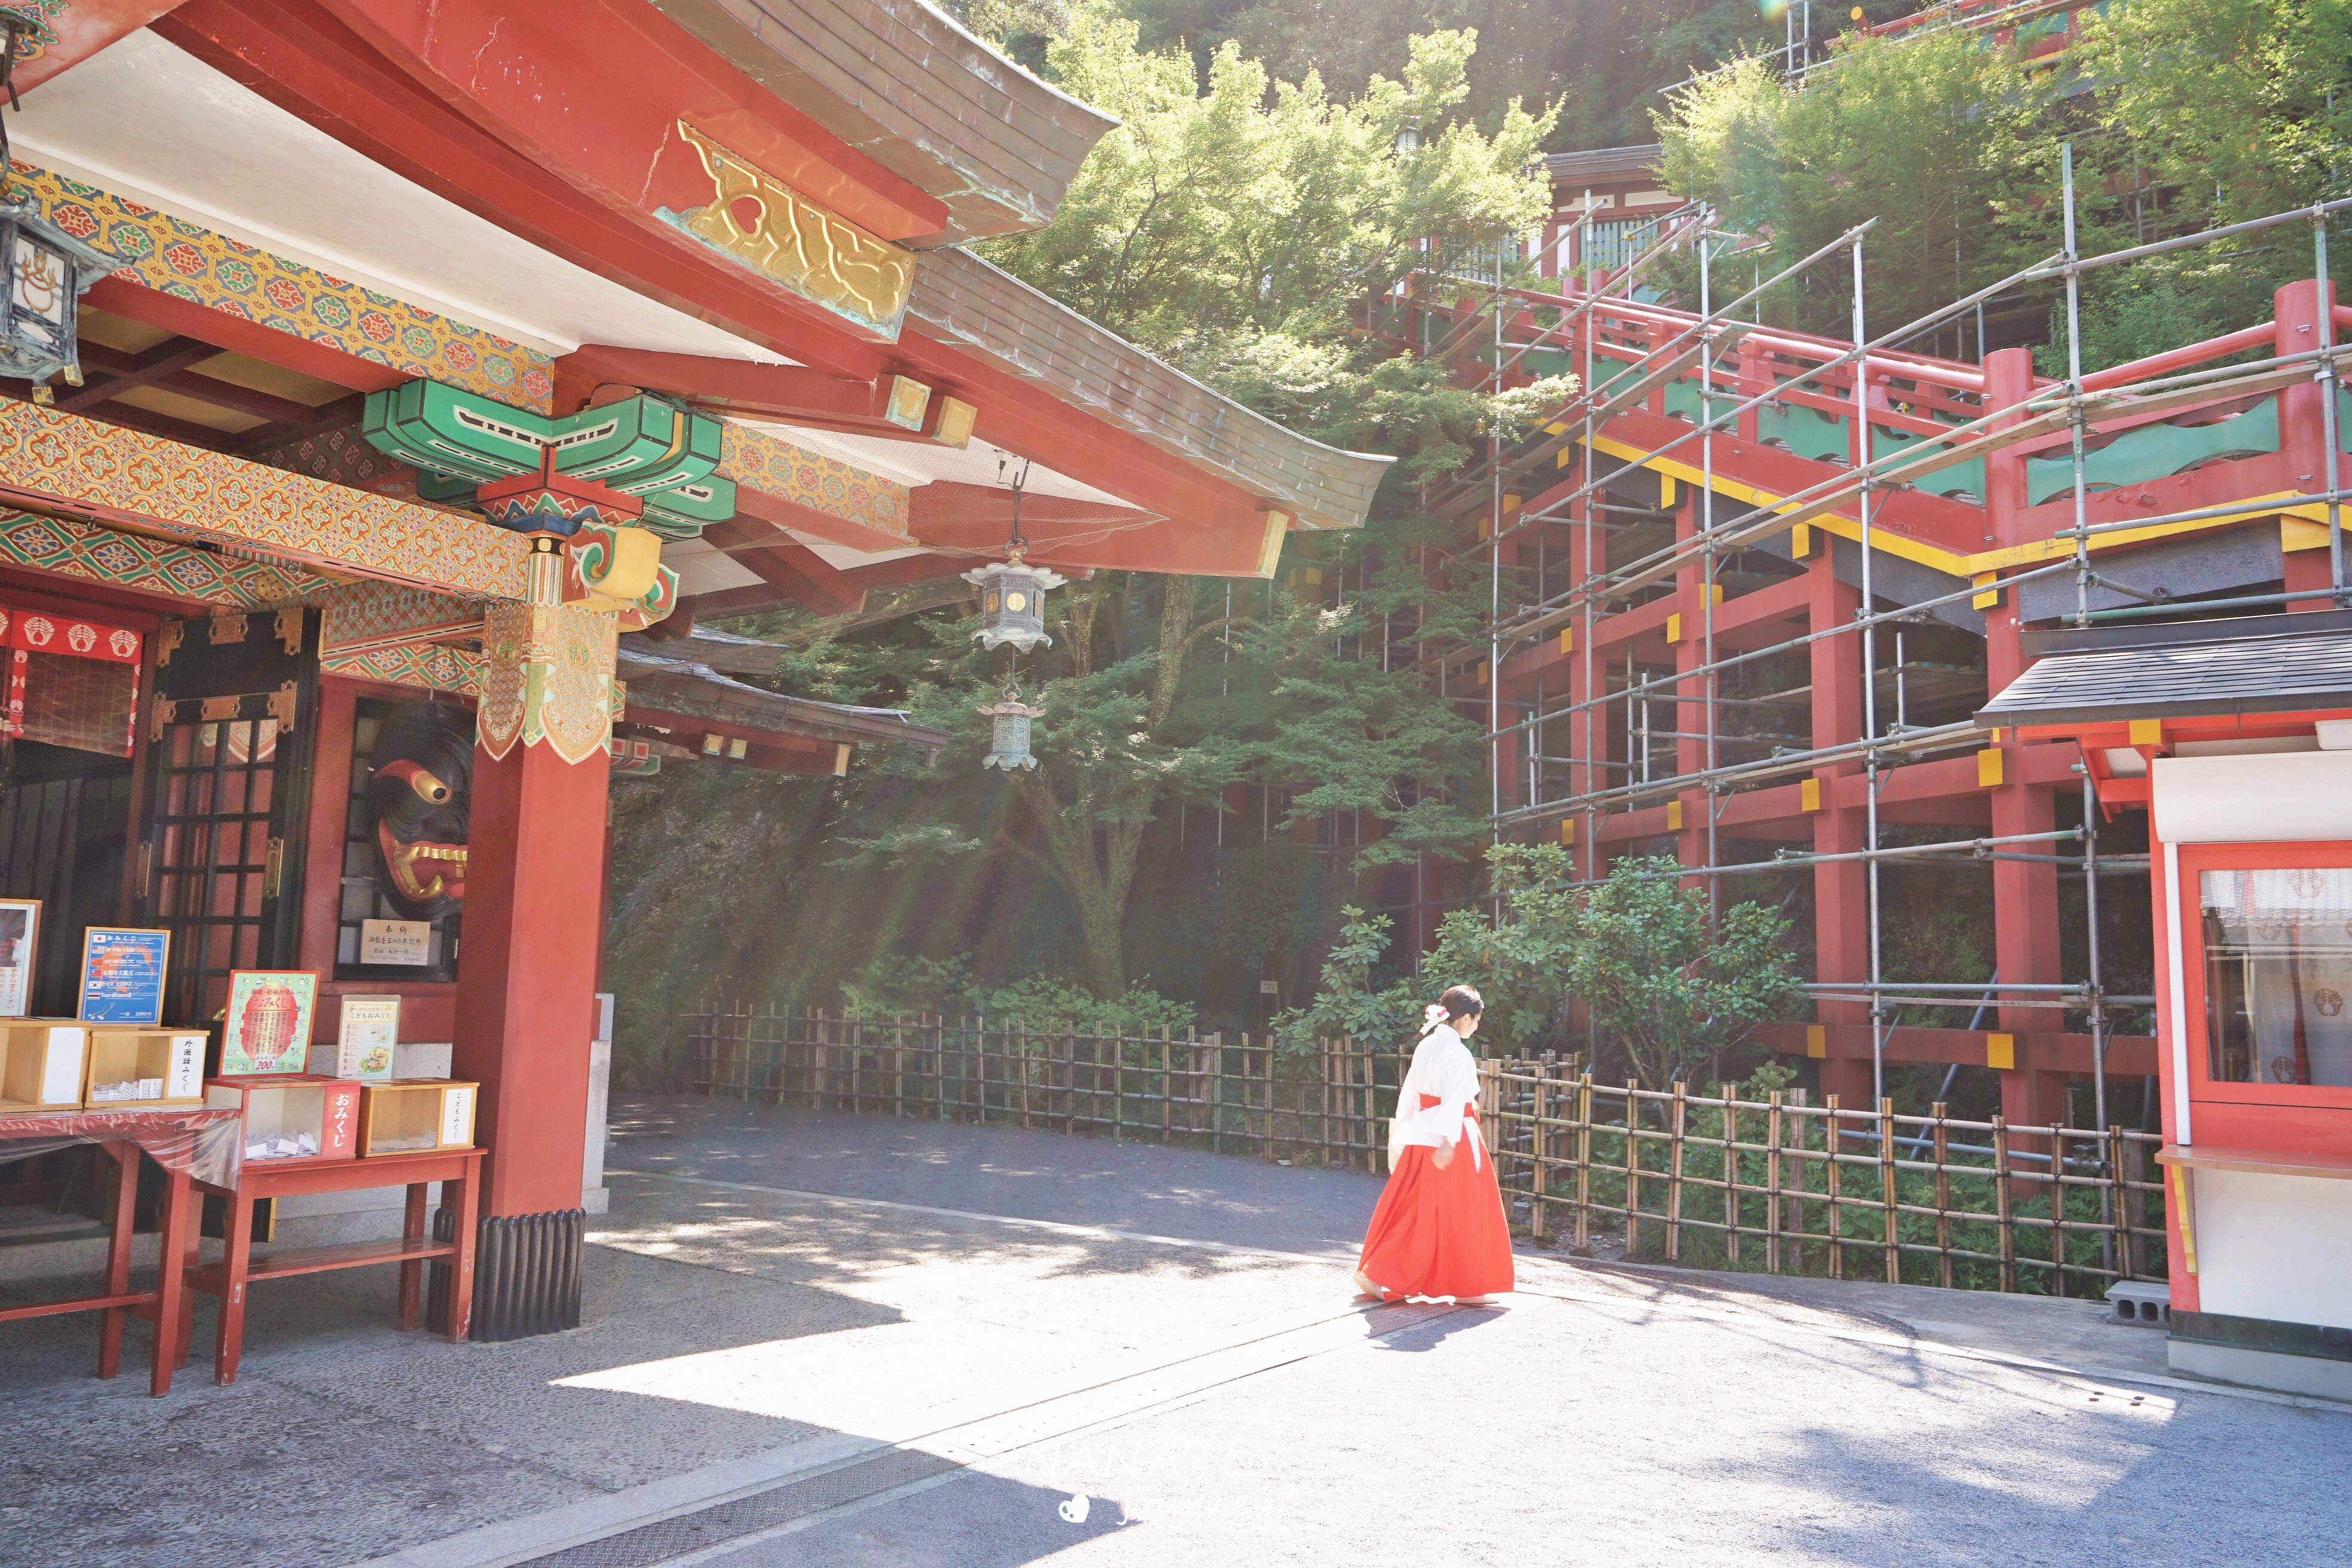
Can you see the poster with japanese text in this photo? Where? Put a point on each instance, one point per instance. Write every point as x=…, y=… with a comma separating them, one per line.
x=122, y=974
x=266, y=1027
x=20, y=920
x=364, y=1041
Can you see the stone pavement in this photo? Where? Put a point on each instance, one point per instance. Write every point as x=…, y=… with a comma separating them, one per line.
x=849, y=1341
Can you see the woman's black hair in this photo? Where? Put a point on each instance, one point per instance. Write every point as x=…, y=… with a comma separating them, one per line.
x=1461, y=1001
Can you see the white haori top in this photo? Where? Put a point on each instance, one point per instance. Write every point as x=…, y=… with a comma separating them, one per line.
x=1441, y=1066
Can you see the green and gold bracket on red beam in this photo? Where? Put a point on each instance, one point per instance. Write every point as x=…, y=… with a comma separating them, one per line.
x=660, y=456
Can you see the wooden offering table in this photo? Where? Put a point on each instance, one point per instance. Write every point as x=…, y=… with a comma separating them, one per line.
x=180, y=1142
x=457, y=1170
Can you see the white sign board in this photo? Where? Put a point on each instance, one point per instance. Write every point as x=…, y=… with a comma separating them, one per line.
x=185, y=1080
x=396, y=941
x=367, y=1036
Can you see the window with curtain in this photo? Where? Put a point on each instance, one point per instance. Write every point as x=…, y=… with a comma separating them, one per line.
x=71, y=683
x=2278, y=957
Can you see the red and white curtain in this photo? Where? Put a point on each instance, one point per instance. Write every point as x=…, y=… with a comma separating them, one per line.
x=71, y=681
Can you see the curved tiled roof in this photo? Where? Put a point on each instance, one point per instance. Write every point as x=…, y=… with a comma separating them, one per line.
x=2254, y=665
x=1604, y=162
x=903, y=83
x=968, y=303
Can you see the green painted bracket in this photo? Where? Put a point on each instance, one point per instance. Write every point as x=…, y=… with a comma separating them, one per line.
x=642, y=446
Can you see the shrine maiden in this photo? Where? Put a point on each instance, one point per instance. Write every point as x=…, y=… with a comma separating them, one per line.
x=1439, y=1230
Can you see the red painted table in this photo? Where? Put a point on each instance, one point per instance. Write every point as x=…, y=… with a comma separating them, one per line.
x=179, y=1141
x=457, y=1170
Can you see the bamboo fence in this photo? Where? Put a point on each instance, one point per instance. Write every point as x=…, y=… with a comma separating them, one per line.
x=1781, y=1185
x=1232, y=1094
x=1776, y=1185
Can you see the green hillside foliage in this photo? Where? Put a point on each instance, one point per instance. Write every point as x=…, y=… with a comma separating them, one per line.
x=2181, y=114
x=1229, y=224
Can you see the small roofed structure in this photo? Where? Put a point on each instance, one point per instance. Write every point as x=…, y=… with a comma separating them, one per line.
x=2236, y=736
x=680, y=707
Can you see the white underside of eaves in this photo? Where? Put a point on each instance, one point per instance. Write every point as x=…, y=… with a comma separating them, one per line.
x=145, y=119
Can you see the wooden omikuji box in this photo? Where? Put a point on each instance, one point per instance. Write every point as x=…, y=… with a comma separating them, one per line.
x=408, y=1116
x=41, y=1063
x=143, y=1069
x=281, y=1110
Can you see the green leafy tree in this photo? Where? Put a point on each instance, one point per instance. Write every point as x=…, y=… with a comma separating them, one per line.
x=2181, y=114
x=1602, y=61
x=1139, y=717
x=2209, y=112
x=1234, y=224
x=1947, y=141
x=1662, y=982
x=1669, y=985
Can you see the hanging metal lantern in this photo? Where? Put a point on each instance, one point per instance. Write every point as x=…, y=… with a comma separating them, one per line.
x=44, y=270
x=1013, y=603
x=1009, y=748
x=47, y=271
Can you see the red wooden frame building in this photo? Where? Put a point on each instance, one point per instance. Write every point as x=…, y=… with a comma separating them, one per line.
x=591, y=221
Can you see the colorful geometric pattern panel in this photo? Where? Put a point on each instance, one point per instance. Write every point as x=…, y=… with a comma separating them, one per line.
x=343, y=456
x=190, y=262
x=73, y=547
x=428, y=665
x=641, y=447
x=188, y=491
x=773, y=466
x=357, y=614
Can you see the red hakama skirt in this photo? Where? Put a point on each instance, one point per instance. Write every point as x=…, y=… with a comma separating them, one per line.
x=1440, y=1233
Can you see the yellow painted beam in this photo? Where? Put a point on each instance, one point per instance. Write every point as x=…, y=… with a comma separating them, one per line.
x=1955, y=564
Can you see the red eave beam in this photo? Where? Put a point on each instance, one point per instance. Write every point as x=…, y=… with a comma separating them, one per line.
x=542, y=78
x=299, y=56
x=796, y=394
x=798, y=572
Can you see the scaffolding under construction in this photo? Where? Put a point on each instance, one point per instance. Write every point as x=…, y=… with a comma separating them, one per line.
x=1750, y=586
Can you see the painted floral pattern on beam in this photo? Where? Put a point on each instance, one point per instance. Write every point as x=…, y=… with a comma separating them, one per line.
x=446, y=670
x=234, y=502
x=190, y=262
x=756, y=460
x=70, y=547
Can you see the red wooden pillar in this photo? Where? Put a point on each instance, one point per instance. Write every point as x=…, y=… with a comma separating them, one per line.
x=2024, y=902
x=2008, y=380
x=1841, y=889
x=1688, y=715
x=2302, y=430
x=527, y=974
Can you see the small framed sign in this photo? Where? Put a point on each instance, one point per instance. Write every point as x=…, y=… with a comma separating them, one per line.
x=20, y=929
x=364, y=1039
x=267, y=1028
x=396, y=941
x=122, y=971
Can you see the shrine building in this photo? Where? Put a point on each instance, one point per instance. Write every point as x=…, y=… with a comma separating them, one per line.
x=401, y=382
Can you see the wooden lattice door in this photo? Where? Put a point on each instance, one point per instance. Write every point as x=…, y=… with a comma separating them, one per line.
x=230, y=736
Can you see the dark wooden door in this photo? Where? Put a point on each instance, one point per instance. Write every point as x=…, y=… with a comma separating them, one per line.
x=230, y=734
